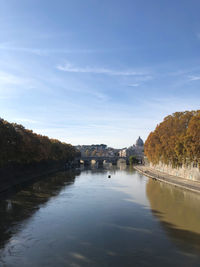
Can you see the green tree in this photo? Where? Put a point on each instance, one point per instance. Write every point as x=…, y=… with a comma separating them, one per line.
x=133, y=160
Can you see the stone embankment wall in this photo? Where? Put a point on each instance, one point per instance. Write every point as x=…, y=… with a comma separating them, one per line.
x=186, y=172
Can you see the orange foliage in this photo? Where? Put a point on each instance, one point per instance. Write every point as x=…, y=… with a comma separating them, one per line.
x=176, y=140
x=18, y=144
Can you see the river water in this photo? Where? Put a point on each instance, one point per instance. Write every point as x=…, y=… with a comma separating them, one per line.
x=84, y=218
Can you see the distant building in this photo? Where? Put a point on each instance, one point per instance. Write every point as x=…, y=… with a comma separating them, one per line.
x=101, y=150
x=139, y=142
x=97, y=150
x=122, y=152
x=134, y=150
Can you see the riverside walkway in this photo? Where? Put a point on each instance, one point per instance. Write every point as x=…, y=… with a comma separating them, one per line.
x=169, y=179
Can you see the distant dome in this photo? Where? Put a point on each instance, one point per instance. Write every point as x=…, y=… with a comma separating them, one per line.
x=139, y=142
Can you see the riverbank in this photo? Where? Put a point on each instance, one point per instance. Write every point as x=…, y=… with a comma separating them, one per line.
x=169, y=179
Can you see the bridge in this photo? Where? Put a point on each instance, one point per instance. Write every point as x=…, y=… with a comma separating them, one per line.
x=102, y=159
x=105, y=159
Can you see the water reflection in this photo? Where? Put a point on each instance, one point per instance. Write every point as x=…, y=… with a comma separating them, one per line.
x=177, y=210
x=17, y=209
x=94, y=221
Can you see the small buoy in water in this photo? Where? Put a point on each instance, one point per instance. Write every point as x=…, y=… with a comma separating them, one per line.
x=109, y=176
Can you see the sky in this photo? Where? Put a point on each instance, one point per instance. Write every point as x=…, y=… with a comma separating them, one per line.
x=98, y=71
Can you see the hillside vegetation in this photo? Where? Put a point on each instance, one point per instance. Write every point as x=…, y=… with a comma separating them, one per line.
x=19, y=145
x=176, y=140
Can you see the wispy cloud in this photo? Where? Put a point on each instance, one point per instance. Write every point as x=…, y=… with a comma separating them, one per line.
x=194, y=78
x=133, y=85
x=9, y=47
x=70, y=68
x=45, y=51
x=7, y=78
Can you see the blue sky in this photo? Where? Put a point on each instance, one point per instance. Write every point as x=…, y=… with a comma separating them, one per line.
x=98, y=71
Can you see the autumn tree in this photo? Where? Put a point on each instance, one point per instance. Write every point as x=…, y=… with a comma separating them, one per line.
x=176, y=140
x=20, y=145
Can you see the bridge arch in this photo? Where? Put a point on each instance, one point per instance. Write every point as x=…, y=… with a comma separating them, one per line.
x=100, y=160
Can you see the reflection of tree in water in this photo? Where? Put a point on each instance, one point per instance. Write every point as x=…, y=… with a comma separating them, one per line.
x=178, y=212
x=17, y=209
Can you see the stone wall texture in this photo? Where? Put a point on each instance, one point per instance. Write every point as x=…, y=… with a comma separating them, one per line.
x=186, y=172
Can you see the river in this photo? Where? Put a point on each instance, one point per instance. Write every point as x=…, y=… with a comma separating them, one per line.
x=84, y=218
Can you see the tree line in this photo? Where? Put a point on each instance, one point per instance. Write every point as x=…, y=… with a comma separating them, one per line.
x=20, y=145
x=176, y=140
